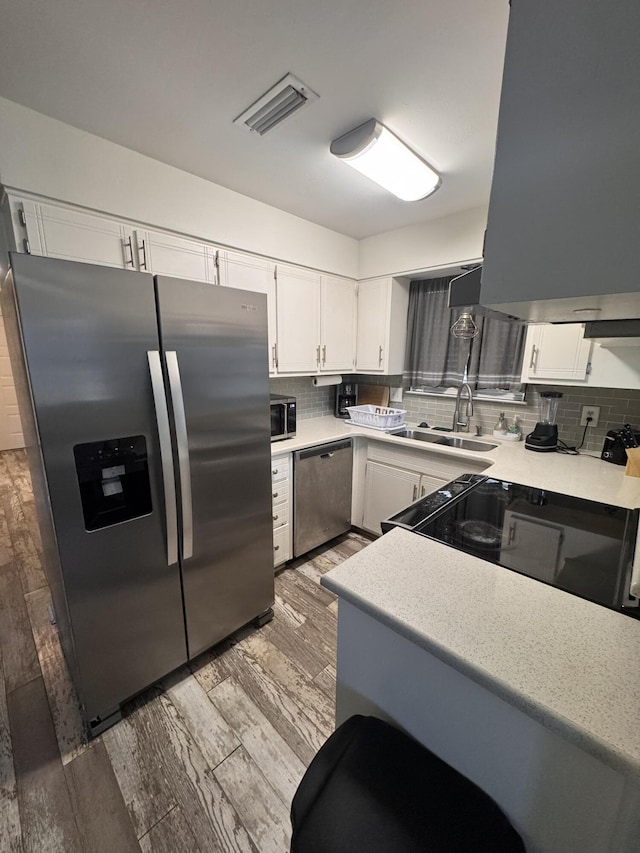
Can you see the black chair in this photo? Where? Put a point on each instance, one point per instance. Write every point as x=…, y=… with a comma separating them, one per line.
x=373, y=789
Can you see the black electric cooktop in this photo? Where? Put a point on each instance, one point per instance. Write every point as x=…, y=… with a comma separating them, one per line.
x=580, y=546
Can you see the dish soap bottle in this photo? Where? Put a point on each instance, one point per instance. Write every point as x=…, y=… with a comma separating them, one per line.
x=514, y=431
x=500, y=429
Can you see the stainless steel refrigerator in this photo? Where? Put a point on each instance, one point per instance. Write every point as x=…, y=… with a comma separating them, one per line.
x=145, y=408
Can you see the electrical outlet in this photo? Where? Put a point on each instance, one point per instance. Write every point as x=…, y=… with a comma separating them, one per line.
x=592, y=412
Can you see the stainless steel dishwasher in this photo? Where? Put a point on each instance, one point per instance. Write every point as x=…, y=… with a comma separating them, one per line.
x=322, y=494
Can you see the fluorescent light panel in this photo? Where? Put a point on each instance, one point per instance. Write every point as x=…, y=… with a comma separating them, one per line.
x=374, y=151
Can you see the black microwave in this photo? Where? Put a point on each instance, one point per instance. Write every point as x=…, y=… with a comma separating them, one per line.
x=283, y=417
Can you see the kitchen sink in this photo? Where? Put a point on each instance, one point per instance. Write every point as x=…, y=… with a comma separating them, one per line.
x=445, y=440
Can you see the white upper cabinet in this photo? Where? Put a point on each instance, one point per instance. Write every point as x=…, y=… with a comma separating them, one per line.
x=382, y=326
x=556, y=352
x=298, y=324
x=74, y=235
x=337, y=324
x=247, y=272
x=165, y=254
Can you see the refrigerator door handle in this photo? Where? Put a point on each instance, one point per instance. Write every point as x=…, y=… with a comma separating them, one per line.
x=164, y=435
x=184, y=467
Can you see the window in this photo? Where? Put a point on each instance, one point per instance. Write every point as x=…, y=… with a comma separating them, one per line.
x=436, y=360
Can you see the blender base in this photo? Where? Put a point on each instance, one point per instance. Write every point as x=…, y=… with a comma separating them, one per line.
x=543, y=439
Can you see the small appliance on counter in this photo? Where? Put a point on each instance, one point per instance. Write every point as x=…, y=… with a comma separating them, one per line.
x=283, y=417
x=544, y=437
x=349, y=394
x=346, y=395
x=616, y=442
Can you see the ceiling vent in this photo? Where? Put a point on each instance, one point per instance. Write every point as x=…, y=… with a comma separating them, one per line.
x=282, y=100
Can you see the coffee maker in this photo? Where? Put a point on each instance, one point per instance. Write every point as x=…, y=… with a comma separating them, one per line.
x=544, y=437
x=346, y=395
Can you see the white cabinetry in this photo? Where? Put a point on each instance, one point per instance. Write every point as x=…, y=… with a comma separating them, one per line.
x=281, y=501
x=298, y=312
x=382, y=326
x=556, y=352
x=387, y=490
x=73, y=235
x=316, y=321
x=166, y=254
x=395, y=477
x=247, y=272
x=337, y=324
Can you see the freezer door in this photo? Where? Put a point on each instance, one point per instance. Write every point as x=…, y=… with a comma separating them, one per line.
x=87, y=332
x=215, y=345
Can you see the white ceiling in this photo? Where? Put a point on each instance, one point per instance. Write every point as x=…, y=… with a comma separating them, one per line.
x=167, y=78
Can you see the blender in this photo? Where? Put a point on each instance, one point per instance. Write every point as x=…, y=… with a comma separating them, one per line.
x=544, y=437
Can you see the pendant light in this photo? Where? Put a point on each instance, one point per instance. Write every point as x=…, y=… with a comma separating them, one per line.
x=465, y=327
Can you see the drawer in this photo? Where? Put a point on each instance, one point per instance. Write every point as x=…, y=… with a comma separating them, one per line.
x=280, y=469
x=279, y=492
x=280, y=514
x=281, y=545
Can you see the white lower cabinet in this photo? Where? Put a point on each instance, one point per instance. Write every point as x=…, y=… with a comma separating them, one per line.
x=281, y=508
x=387, y=490
x=393, y=478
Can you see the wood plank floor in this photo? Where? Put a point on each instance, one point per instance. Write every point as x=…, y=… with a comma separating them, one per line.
x=206, y=761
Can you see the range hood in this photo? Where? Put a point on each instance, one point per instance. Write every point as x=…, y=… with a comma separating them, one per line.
x=614, y=333
x=464, y=293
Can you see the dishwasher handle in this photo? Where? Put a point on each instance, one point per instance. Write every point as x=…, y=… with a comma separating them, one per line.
x=324, y=451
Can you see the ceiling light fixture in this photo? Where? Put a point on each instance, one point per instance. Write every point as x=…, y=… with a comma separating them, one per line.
x=376, y=152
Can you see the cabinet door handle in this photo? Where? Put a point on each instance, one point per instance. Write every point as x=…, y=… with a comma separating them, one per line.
x=276, y=517
x=415, y=492
x=532, y=363
x=274, y=471
x=324, y=355
x=276, y=547
x=380, y=356
x=274, y=355
x=128, y=245
x=318, y=354
x=423, y=491
x=274, y=495
x=142, y=248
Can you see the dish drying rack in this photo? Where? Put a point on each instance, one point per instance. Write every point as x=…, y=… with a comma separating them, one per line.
x=376, y=417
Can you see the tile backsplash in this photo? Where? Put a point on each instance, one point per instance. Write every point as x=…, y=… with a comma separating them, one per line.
x=617, y=407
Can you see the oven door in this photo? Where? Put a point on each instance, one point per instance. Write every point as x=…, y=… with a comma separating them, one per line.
x=278, y=421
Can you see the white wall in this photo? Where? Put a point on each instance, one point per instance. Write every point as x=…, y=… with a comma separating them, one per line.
x=45, y=156
x=443, y=242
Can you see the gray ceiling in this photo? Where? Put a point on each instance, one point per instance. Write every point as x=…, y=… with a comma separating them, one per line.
x=167, y=78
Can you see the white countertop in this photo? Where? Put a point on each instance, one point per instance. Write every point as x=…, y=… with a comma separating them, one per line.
x=582, y=476
x=571, y=664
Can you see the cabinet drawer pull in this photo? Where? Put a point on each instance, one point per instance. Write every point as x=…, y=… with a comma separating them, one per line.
x=274, y=471
x=276, y=517
x=274, y=494
x=276, y=547
x=143, y=248
x=128, y=245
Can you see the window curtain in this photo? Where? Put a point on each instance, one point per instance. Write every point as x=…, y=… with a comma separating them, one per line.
x=434, y=358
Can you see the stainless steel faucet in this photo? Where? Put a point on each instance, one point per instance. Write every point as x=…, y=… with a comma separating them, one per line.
x=458, y=425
